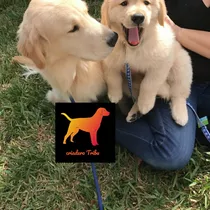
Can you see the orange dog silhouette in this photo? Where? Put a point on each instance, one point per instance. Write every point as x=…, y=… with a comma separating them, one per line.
x=89, y=124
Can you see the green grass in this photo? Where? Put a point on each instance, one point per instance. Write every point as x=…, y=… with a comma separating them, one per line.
x=29, y=177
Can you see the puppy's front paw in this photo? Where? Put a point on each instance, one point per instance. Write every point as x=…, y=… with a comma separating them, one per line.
x=146, y=104
x=52, y=96
x=179, y=113
x=132, y=117
x=115, y=96
x=134, y=114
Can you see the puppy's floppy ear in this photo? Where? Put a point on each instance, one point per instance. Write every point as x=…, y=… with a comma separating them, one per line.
x=31, y=44
x=162, y=12
x=104, y=14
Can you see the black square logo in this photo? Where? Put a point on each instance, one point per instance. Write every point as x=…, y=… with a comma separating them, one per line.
x=85, y=132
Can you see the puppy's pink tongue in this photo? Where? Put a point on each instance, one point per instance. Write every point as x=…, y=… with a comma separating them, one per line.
x=133, y=36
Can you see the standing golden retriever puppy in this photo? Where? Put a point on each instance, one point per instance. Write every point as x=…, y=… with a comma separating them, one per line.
x=150, y=48
x=61, y=41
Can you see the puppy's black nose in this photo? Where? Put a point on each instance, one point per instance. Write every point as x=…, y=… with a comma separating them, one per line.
x=138, y=18
x=112, y=39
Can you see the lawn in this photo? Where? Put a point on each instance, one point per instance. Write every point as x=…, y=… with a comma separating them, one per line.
x=29, y=177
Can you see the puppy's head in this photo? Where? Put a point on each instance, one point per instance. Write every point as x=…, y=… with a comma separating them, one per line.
x=58, y=28
x=129, y=18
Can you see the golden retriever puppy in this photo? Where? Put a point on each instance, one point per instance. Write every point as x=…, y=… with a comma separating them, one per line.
x=150, y=48
x=62, y=42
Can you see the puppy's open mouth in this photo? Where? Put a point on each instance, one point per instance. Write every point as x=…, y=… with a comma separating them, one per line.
x=133, y=35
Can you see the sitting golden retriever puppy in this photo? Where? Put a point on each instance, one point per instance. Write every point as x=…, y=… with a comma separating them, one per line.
x=150, y=48
x=62, y=42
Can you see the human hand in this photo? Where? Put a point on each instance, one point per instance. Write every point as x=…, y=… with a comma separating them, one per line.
x=174, y=27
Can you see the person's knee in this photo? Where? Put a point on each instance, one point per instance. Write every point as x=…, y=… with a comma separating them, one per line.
x=170, y=163
x=175, y=159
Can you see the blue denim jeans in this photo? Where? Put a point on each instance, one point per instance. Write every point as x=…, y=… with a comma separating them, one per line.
x=157, y=139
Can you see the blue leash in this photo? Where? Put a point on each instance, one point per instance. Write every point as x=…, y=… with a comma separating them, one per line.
x=98, y=192
x=129, y=79
x=100, y=204
x=204, y=129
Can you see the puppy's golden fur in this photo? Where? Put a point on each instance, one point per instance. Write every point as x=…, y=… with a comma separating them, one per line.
x=61, y=41
x=164, y=67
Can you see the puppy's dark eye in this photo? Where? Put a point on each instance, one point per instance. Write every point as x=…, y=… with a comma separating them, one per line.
x=76, y=28
x=146, y=3
x=124, y=3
